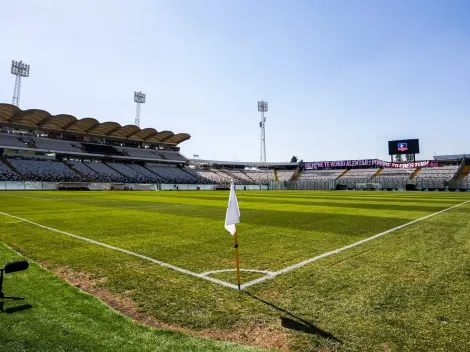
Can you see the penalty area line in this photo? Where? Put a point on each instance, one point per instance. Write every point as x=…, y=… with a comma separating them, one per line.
x=155, y=261
x=327, y=254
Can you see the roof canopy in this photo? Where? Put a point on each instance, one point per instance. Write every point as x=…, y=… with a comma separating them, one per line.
x=43, y=121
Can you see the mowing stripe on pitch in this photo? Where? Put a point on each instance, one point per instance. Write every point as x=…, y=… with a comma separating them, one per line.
x=159, y=262
x=308, y=261
x=269, y=274
x=17, y=196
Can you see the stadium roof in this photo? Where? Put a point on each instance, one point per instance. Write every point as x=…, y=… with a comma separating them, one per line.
x=243, y=163
x=451, y=157
x=43, y=121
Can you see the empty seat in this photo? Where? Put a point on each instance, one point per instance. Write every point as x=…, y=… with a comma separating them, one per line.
x=44, y=170
x=6, y=174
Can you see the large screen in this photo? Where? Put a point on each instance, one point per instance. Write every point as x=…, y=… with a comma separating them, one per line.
x=404, y=146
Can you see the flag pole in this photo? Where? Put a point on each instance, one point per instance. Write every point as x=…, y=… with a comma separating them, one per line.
x=237, y=259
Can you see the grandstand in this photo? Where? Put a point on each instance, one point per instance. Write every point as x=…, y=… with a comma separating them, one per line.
x=321, y=175
x=44, y=170
x=36, y=146
x=6, y=174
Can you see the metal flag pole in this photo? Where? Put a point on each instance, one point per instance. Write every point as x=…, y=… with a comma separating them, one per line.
x=237, y=259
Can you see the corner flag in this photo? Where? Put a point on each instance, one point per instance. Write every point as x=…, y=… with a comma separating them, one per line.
x=231, y=219
x=233, y=212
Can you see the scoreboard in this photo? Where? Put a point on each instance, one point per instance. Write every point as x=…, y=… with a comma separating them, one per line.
x=404, y=146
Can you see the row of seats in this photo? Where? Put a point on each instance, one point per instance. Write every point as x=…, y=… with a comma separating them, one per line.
x=6, y=174
x=172, y=174
x=53, y=144
x=23, y=141
x=284, y=175
x=44, y=170
x=260, y=176
x=320, y=175
x=387, y=175
x=439, y=173
x=357, y=176
x=11, y=140
x=74, y=171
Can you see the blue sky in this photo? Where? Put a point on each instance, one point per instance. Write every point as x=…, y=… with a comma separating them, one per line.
x=341, y=77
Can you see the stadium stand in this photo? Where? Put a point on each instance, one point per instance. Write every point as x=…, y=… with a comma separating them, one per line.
x=6, y=174
x=285, y=175
x=261, y=176
x=171, y=155
x=400, y=173
x=57, y=145
x=321, y=175
x=208, y=176
x=443, y=173
x=129, y=174
x=141, y=153
x=34, y=152
x=11, y=140
x=87, y=173
x=44, y=170
x=359, y=175
x=172, y=174
x=224, y=178
x=393, y=178
x=105, y=173
x=150, y=177
x=240, y=176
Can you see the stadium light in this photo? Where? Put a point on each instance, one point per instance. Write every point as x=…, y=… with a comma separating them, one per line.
x=263, y=107
x=139, y=98
x=19, y=69
x=11, y=268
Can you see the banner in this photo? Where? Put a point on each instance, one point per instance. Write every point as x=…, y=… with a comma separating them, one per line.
x=367, y=162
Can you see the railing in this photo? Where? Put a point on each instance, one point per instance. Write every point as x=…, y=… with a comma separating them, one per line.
x=398, y=184
x=383, y=182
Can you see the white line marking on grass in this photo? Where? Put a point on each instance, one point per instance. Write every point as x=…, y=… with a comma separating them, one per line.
x=17, y=196
x=207, y=273
x=308, y=261
x=159, y=262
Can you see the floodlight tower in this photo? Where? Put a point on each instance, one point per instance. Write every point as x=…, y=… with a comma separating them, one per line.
x=263, y=107
x=19, y=69
x=139, y=98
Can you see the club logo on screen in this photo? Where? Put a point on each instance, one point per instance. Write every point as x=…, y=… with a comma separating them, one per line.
x=402, y=147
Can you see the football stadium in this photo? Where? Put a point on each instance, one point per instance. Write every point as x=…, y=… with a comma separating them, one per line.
x=113, y=238
x=333, y=254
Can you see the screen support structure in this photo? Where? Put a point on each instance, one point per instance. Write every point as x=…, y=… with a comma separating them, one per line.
x=414, y=158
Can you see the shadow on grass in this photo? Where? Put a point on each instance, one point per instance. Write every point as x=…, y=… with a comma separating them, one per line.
x=15, y=309
x=293, y=322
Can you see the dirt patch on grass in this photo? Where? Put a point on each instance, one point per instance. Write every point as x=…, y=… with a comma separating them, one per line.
x=272, y=337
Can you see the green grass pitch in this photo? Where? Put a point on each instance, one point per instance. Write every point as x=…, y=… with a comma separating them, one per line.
x=407, y=290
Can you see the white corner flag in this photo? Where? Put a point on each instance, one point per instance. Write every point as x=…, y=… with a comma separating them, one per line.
x=233, y=212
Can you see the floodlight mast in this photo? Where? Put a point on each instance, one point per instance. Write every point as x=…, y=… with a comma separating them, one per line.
x=139, y=98
x=19, y=69
x=263, y=107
